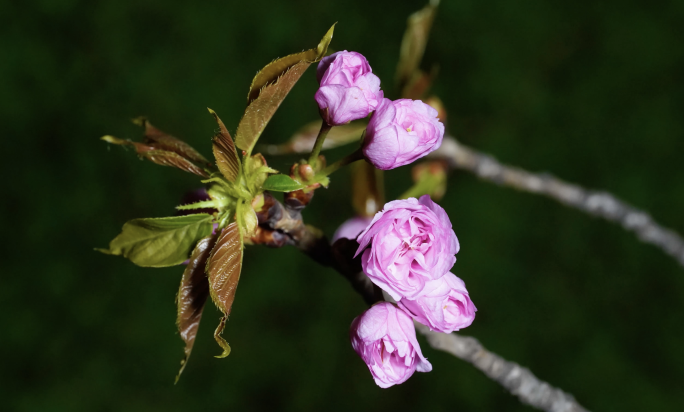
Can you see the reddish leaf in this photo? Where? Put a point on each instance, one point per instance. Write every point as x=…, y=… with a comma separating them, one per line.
x=223, y=270
x=269, y=88
x=278, y=67
x=160, y=157
x=164, y=158
x=224, y=151
x=160, y=140
x=192, y=295
x=260, y=111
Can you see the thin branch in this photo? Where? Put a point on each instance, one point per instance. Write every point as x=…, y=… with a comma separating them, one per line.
x=281, y=225
x=595, y=203
x=516, y=379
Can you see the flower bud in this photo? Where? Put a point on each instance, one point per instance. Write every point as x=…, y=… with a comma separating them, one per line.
x=400, y=132
x=306, y=172
x=443, y=306
x=348, y=88
x=385, y=338
x=411, y=242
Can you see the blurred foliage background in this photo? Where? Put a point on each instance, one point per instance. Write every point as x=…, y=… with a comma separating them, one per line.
x=589, y=91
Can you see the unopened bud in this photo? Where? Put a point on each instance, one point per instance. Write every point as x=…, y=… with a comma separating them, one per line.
x=306, y=172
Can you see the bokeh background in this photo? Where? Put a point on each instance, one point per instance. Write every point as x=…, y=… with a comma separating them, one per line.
x=589, y=91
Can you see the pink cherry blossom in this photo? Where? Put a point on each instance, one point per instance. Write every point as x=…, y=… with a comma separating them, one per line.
x=401, y=131
x=385, y=338
x=348, y=88
x=407, y=244
x=444, y=305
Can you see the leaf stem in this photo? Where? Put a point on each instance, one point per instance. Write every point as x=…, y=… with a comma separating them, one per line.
x=322, y=134
x=357, y=155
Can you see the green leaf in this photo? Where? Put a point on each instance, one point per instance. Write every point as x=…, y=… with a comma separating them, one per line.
x=160, y=242
x=256, y=172
x=223, y=271
x=278, y=67
x=246, y=218
x=224, y=151
x=269, y=89
x=414, y=42
x=282, y=183
x=303, y=140
x=192, y=295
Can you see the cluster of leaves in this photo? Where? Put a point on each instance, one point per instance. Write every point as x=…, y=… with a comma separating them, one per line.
x=213, y=243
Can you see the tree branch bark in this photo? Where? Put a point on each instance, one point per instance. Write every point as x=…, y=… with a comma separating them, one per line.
x=518, y=380
x=595, y=203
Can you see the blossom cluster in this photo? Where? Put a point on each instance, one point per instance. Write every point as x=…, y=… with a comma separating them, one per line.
x=409, y=247
x=398, y=133
x=407, y=250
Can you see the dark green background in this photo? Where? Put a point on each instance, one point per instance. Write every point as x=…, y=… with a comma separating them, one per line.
x=589, y=91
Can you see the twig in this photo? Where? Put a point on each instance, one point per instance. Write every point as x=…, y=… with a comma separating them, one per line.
x=517, y=380
x=281, y=225
x=595, y=203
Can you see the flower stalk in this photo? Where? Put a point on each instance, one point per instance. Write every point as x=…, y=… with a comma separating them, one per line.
x=351, y=158
x=320, y=139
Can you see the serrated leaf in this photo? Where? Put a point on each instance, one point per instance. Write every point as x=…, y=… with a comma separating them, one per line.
x=254, y=163
x=257, y=171
x=164, y=141
x=414, y=42
x=368, y=194
x=160, y=157
x=192, y=295
x=259, y=112
x=247, y=218
x=223, y=270
x=278, y=67
x=224, y=152
x=160, y=242
x=282, y=183
x=164, y=158
x=303, y=140
x=270, y=87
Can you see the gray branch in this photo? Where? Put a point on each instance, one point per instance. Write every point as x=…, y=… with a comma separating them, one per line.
x=595, y=203
x=516, y=379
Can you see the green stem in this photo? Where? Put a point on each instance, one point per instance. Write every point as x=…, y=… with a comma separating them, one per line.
x=322, y=134
x=357, y=155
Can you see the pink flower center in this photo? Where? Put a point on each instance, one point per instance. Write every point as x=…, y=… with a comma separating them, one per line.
x=408, y=125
